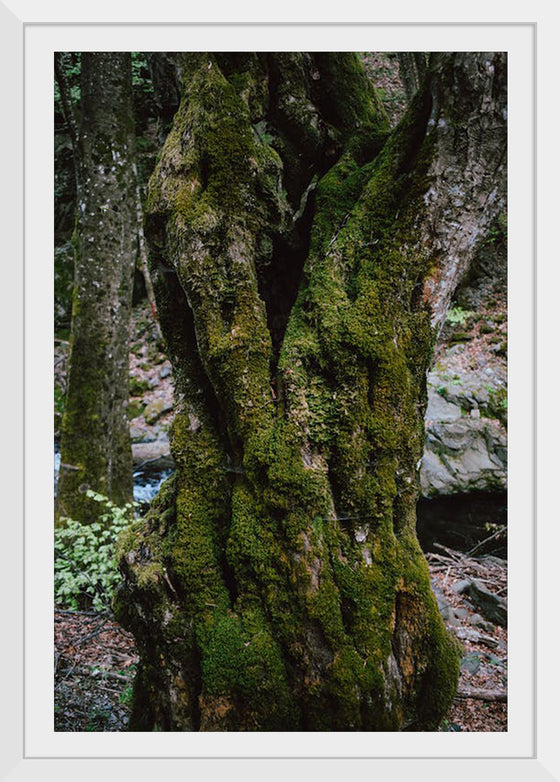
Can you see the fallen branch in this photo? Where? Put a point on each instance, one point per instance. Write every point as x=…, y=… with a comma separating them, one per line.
x=100, y=673
x=456, y=556
x=487, y=540
x=73, y=612
x=98, y=628
x=491, y=696
x=110, y=675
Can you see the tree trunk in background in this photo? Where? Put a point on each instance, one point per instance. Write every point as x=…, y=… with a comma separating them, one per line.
x=95, y=443
x=277, y=582
x=412, y=70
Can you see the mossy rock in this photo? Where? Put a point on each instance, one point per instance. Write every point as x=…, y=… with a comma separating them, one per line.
x=155, y=410
x=459, y=337
x=137, y=386
x=135, y=409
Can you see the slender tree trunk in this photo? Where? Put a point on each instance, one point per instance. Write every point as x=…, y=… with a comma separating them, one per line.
x=95, y=444
x=143, y=259
x=277, y=582
x=412, y=69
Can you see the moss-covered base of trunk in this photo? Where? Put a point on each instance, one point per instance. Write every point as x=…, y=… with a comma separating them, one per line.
x=282, y=623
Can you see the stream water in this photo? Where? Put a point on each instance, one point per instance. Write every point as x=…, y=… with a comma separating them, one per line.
x=146, y=482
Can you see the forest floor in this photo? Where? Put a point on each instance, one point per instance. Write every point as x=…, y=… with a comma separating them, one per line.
x=95, y=659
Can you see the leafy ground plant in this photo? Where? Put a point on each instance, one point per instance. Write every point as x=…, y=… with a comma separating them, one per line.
x=458, y=316
x=85, y=571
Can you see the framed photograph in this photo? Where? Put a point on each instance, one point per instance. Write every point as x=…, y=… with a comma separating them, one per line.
x=523, y=744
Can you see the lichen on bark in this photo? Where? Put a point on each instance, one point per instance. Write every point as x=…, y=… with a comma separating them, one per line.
x=279, y=585
x=95, y=444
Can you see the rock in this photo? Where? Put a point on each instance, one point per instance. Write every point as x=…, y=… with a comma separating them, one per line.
x=464, y=455
x=439, y=409
x=471, y=663
x=461, y=613
x=492, y=606
x=156, y=409
x=156, y=452
x=495, y=560
x=466, y=442
x=470, y=634
x=139, y=434
x=447, y=613
x=461, y=586
x=478, y=621
x=165, y=371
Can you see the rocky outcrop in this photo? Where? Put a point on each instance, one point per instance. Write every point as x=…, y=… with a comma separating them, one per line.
x=466, y=443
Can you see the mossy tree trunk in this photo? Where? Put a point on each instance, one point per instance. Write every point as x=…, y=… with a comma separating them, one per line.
x=95, y=442
x=303, y=258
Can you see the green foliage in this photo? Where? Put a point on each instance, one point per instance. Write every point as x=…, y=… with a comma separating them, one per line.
x=73, y=70
x=497, y=403
x=498, y=230
x=458, y=316
x=141, y=79
x=85, y=569
x=126, y=695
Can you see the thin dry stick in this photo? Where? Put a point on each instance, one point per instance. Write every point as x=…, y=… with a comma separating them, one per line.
x=103, y=673
x=487, y=540
x=73, y=612
x=454, y=555
x=91, y=635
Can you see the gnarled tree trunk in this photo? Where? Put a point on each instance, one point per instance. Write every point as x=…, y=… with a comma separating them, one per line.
x=95, y=442
x=277, y=582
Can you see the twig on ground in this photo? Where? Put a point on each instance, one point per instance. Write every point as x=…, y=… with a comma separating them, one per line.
x=75, y=612
x=93, y=633
x=492, y=696
x=482, y=543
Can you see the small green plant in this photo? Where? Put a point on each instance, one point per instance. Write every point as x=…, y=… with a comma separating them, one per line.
x=59, y=400
x=458, y=316
x=126, y=695
x=85, y=570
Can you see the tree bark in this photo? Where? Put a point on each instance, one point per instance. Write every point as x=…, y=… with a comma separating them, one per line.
x=412, y=70
x=277, y=582
x=95, y=443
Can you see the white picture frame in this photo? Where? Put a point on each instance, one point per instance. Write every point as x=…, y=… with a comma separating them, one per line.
x=29, y=32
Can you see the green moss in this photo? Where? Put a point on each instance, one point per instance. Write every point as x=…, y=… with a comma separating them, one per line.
x=284, y=563
x=137, y=386
x=497, y=406
x=242, y=661
x=349, y=99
